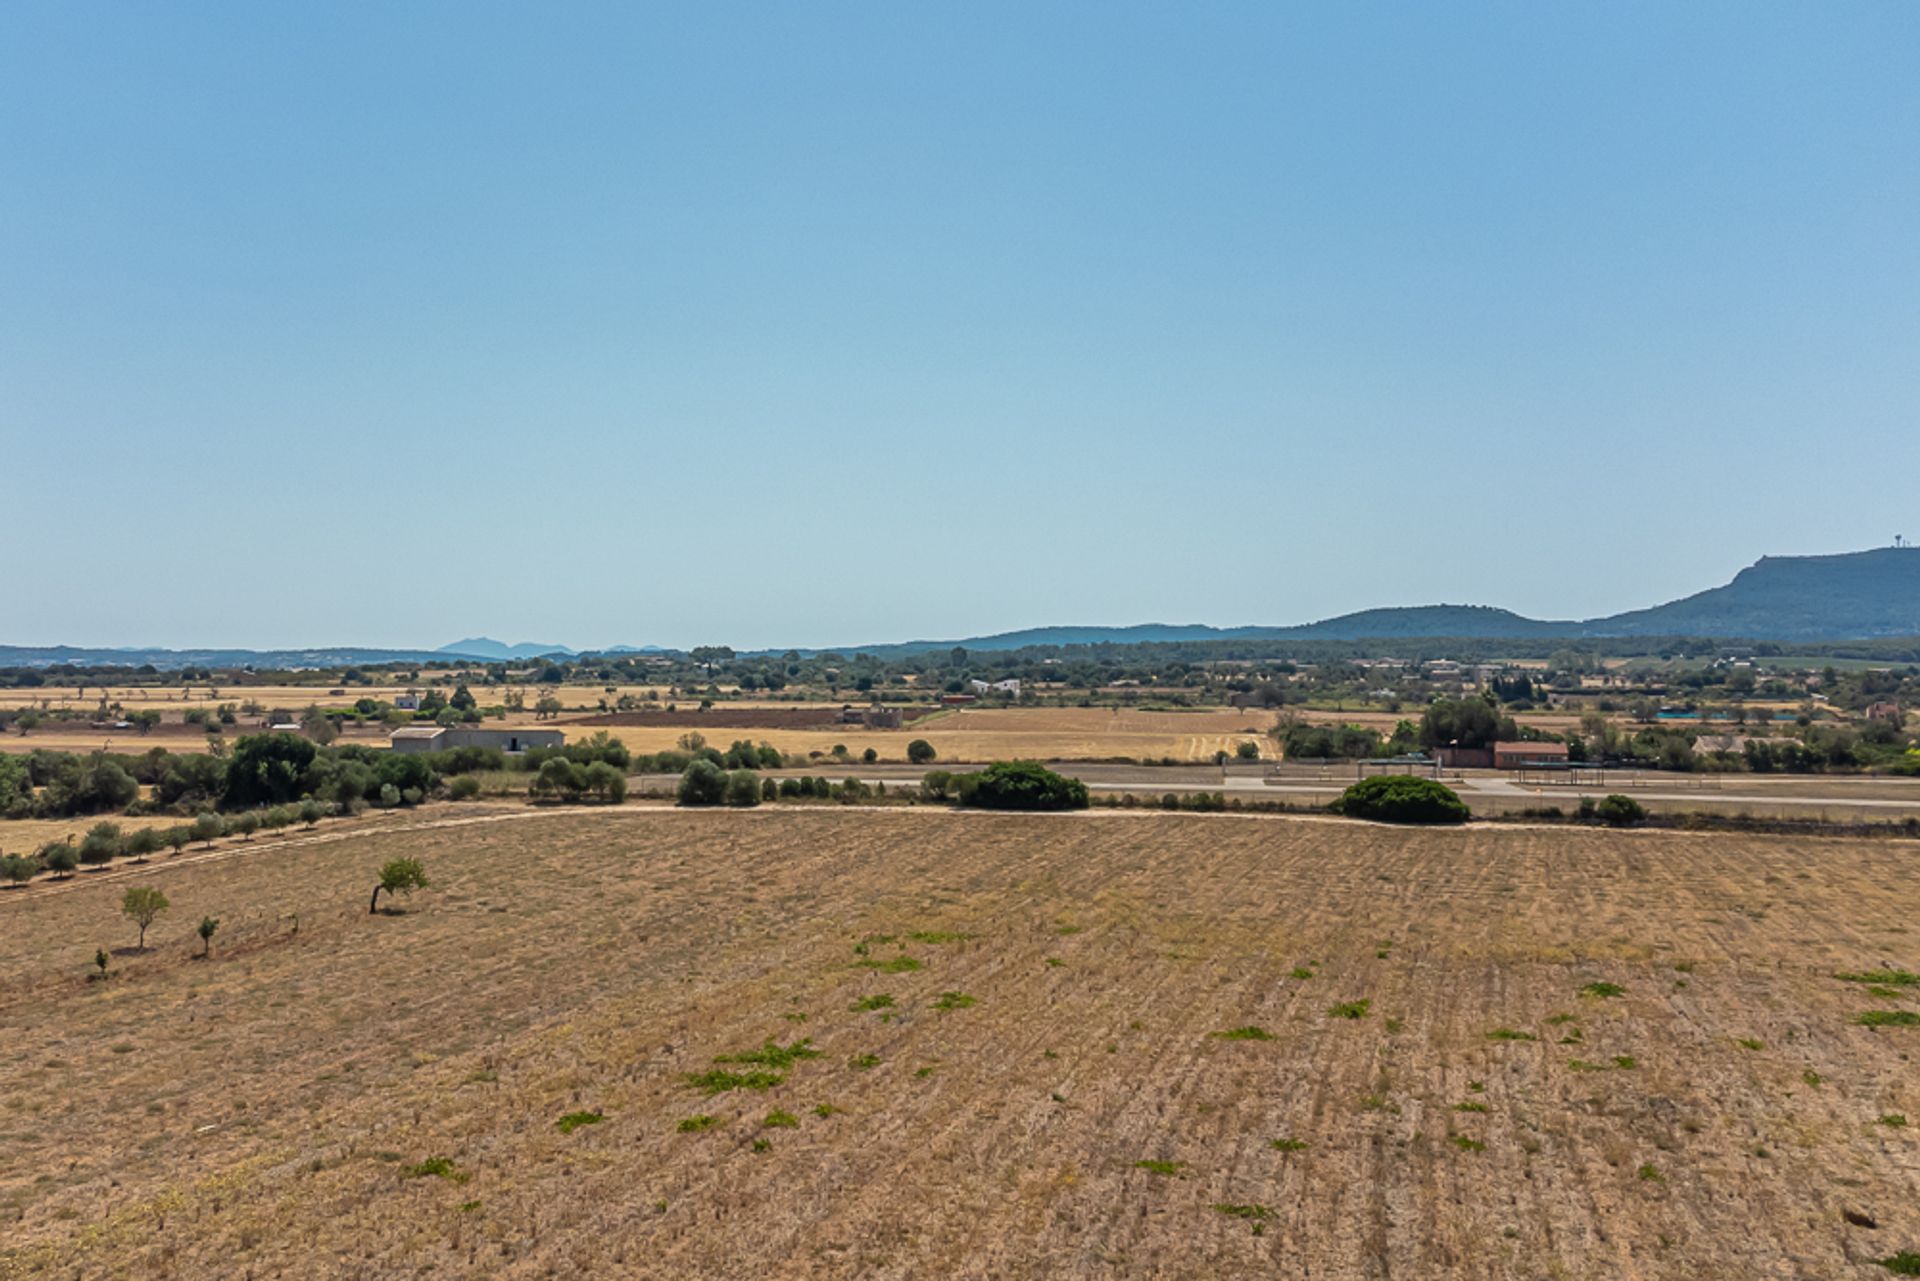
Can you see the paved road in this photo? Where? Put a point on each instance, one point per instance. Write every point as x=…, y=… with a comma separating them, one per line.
x=1254, y=781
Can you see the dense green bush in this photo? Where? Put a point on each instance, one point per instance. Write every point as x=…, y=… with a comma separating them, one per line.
x=101, y=845
x=1402, y=798
x=1620, y=811
x=743, y=788
x=1020, y=785
x=1329, y=742
x=704, y=783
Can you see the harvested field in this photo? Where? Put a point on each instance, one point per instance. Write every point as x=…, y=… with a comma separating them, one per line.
x=1145, y=1045
x=733, y=718
x=964, y=735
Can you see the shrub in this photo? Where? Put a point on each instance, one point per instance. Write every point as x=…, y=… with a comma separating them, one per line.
x=464, y=787
x=606, y=781
x=704, y=783
x=101, y=845
x=1022, y=785
x=1402, y=798
x=17, y=869
x=208, y=827
x=560, y=777
x=143, y=844
x=59, y=858
x=1620, y=811
x=920, y=751
x=743, y=789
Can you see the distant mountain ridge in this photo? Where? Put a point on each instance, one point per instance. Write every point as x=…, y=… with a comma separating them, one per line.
x=1852, y=596
x=488, y=648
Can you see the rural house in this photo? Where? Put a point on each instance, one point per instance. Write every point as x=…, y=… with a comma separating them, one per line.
x=435, y=738
x=1528, y=755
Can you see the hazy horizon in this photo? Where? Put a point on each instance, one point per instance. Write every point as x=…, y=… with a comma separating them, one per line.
x=842, y=644
x=772, y=327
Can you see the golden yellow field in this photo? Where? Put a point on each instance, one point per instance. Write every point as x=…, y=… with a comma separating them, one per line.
x=1014, y=1047
x=987, y=734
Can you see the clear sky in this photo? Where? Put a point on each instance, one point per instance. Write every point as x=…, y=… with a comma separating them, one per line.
x=820, y=324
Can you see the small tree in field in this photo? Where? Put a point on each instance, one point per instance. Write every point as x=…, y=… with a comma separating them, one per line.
x=101, y=845
x=207, y=827
x=60, y=858
x=177, y=838
x=401, y=876
x=920, y=751
x=17, y=869
x=143, y=844
x=208, y=924
x=144, y=904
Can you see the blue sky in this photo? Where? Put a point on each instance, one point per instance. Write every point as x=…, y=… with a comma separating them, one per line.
x=391, y=324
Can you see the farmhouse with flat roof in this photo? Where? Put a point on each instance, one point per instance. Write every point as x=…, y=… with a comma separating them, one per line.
x=1527, y=755
x=436, y=738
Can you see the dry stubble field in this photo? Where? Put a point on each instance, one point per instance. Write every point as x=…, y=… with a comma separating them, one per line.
x=257, y=1115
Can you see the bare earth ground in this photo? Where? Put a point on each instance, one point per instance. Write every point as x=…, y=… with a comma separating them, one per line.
x=255, y=1115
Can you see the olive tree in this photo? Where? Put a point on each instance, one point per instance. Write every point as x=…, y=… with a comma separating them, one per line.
x=59, y=857
x=101, y=845
x=207, y=827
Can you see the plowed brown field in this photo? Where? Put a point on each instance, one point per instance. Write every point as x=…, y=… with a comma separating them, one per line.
x=1055, y=1022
